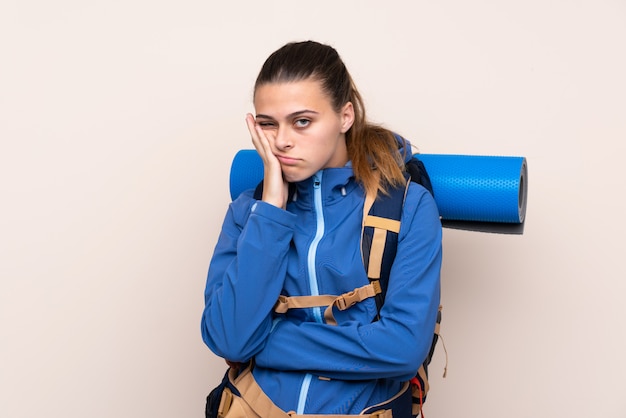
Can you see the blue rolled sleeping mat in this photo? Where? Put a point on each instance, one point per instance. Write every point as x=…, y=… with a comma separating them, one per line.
x=472, y=192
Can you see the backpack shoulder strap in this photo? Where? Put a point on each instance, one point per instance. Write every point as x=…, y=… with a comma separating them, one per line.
x=379, y=238
x=381, y=224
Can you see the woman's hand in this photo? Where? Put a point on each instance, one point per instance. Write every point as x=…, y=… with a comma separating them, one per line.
x=275, y=188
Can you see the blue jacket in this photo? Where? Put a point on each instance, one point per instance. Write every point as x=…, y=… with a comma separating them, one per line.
x=313, y=248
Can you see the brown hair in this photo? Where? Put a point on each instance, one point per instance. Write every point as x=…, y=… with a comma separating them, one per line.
x=372, y=149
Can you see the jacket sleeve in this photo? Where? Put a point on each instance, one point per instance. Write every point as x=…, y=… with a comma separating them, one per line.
x=397, y=344
x=246, y=275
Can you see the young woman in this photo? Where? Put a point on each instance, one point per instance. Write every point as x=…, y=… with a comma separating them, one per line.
x=303, y=238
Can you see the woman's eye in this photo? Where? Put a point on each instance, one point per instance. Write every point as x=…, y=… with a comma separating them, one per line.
x=302, y=123
x=266, y=125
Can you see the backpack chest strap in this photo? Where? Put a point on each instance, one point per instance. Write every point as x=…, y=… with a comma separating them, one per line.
x=341, y=302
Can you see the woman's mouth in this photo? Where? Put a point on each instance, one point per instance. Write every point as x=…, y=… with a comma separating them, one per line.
x=287, y=160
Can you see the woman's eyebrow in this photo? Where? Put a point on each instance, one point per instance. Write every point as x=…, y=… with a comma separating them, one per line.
x=302, y=112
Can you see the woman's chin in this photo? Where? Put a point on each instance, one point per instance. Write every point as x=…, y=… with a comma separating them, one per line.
x=294, y=176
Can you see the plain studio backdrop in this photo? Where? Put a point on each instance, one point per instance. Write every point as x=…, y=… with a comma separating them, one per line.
x=118, y=124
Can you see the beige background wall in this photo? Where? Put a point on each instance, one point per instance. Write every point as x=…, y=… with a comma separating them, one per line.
x=118, y=123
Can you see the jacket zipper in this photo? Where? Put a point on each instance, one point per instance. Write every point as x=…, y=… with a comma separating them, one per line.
x=319, y=233
x=312, y=254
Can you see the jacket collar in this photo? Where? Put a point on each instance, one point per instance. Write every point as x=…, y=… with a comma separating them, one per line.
x=336, y=183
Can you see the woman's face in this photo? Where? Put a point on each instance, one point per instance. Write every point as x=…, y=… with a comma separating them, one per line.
x=305, y=132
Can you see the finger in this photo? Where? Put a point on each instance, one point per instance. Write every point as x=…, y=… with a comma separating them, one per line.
x=265, y=139
x=258, y=135
x=262, y=140
x=259, y=139
x=254, y=135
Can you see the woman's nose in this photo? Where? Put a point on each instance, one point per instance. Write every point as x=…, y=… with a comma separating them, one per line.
x=283, y=139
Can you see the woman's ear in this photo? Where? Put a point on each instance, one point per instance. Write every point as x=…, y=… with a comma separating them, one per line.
x=347, y=117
